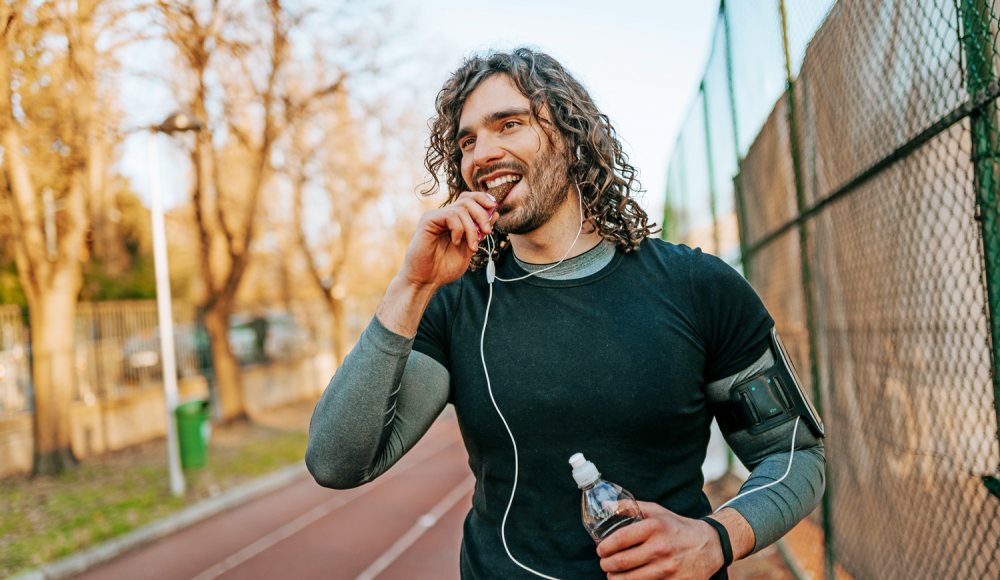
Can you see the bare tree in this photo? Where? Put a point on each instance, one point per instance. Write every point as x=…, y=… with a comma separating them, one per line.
x=226, y=64
x=350, y=177
x=49, y=117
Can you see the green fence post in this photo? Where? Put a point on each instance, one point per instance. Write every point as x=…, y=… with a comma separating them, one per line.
x=977, y=43
x=741, y=217
x=711, y=171
x=807, y=285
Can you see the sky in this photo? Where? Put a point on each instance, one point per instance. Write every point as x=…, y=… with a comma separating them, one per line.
x=641, y=60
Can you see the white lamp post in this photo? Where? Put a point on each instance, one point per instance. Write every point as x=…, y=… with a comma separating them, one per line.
x=173, y=124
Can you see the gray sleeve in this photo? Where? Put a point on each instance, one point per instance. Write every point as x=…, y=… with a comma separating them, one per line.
x=378, y=405
x=774, y=511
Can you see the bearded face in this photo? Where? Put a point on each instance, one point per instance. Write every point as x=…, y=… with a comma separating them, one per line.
x=508, y=152
x=542, y=187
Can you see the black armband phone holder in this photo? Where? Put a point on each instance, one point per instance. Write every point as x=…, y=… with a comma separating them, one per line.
x=768, y=399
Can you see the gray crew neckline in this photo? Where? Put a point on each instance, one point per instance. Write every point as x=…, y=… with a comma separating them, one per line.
x=587, y=263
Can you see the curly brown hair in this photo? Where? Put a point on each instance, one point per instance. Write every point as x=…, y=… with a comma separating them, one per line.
x=600, y=167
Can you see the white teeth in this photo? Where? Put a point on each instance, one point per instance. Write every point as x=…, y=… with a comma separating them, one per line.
x=502, y=180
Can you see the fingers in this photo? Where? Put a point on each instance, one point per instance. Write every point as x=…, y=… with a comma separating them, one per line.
x=626, y=560
x=646, y=550
x=457, y=228
x=652, y=510
x=481, y=197
x=470, y=218
x=459, y=225
x=655, y=571
x=659, y=547
x=472, y=235
x=628, y=536
x=481, y=207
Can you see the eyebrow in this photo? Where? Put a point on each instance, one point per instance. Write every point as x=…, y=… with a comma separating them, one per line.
x=493, y=118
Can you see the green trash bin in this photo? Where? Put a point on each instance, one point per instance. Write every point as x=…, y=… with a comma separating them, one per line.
x=193, y=433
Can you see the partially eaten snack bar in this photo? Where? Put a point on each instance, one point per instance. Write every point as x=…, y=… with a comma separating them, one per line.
x=501, y=190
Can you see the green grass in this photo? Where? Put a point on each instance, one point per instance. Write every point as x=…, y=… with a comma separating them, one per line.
x=46, y=518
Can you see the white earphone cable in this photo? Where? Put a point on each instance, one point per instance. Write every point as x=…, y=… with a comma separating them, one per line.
x=579, y=196
x=791, y=456
x=489, y=387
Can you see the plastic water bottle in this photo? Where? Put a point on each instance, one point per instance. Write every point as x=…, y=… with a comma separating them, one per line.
x=606, y=506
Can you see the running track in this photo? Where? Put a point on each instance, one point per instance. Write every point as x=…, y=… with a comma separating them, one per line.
x=406, y=525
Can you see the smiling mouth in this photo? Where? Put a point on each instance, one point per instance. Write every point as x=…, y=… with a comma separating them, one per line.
x=500, y=187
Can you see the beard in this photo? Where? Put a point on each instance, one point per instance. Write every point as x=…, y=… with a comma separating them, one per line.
x=547, y=182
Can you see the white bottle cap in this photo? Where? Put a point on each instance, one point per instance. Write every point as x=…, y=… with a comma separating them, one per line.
x=584, y=472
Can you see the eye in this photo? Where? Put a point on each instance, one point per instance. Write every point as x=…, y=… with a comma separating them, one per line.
x=511, y=124
x=464, y=145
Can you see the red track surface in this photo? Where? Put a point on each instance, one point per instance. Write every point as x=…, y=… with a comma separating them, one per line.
x=307, y=532
x=377, y=532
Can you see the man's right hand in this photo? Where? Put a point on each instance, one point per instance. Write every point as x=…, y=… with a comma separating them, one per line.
x=439, y=253
x=446, y=239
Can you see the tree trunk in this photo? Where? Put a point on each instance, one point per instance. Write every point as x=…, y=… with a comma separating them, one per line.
x=53, y=371
x=227, y=368
x=339, y=329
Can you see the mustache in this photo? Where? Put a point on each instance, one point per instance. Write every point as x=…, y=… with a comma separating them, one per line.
x=478, y=174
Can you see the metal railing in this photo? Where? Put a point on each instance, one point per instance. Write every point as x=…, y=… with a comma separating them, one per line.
x=117, y=346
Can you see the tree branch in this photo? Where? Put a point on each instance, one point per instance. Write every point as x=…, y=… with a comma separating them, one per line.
x=26, y=212
x=300, y=236
x=197, y=198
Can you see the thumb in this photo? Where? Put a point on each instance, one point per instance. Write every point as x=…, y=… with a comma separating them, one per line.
x=650, y=509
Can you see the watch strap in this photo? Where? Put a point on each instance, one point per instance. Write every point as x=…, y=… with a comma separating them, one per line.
x=727, y=547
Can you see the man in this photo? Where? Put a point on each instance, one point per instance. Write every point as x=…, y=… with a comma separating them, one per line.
x=608, y=342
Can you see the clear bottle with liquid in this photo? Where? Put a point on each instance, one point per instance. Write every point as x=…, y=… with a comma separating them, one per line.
x=606, y=506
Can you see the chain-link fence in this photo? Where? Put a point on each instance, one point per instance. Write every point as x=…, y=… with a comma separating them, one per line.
x=866, y=136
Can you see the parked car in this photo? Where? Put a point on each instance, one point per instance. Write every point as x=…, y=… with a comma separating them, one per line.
x=284, y=339
x=141, y=354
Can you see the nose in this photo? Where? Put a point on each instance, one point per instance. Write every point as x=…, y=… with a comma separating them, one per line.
x=486, y=152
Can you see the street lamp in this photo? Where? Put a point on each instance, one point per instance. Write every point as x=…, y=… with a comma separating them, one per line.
x=176, y=123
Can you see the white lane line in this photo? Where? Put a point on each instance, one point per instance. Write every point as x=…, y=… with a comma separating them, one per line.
x=310, y=517
x=423, y=524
